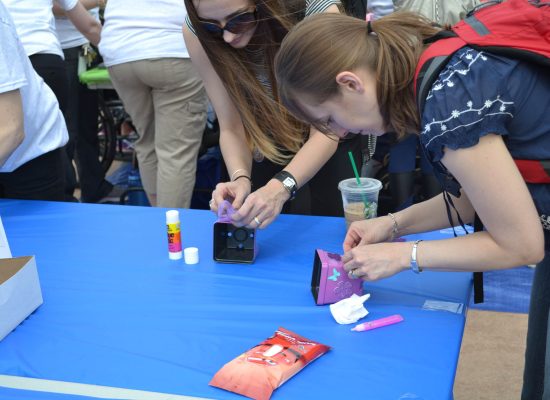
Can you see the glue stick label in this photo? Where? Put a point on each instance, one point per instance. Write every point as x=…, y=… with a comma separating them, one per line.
x=174, y=237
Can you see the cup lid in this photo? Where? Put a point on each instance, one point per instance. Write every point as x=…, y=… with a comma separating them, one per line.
x=368, y=185
x=191, y=255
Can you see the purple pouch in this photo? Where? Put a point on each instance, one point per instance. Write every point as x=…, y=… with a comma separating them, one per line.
x=233, y=244
x=330, y=283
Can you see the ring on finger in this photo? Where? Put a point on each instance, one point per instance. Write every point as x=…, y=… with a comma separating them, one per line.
x=211, y=202
x=352, y=275
x=258, y=222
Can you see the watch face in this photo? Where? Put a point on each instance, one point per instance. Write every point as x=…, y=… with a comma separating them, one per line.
x=288, y=182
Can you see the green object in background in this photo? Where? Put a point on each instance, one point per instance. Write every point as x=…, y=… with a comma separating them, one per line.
x=368, y=207
x=95, y=76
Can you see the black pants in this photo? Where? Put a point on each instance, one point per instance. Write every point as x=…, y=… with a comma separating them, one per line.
x=81, y=116
x=41, y=178
x=320, y=196
x=51, y=68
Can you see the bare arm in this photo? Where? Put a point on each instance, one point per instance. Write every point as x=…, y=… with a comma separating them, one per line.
x=513, y=234
x=308, y=161
x=85, y=23
x=422, y=217
x=497, y=192
x=431, y=214
x=58, y=11
x=11, y=128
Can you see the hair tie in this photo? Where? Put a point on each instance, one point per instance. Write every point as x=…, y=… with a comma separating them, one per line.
x=369, y=17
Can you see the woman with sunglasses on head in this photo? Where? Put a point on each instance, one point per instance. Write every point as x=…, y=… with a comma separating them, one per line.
x=268, y=154
x=359, y=76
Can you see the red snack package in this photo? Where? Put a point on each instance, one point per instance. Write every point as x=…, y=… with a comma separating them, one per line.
x=262, y=369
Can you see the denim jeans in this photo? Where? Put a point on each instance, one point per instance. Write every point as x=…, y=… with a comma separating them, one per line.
x=536, y=376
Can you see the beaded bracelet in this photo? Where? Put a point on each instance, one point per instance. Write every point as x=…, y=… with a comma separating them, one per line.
x=395, y=228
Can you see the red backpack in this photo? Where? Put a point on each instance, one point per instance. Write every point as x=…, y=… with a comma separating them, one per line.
x=511, y=28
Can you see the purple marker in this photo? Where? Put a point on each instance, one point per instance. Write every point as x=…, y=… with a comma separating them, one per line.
x=378, y=323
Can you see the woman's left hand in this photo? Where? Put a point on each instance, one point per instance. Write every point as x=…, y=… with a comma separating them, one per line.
x=262, y=206
x=377, y=261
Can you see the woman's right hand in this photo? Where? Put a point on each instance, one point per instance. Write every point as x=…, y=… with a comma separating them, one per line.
x=368, y=231
x=235, y=192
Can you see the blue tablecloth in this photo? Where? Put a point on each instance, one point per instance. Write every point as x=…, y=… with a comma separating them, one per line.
x=117, y=312
x=15, y=394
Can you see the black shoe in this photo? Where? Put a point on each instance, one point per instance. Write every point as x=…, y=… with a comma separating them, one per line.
x=104, y=189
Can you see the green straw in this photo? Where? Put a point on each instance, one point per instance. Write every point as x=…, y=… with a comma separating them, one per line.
x=365, y=201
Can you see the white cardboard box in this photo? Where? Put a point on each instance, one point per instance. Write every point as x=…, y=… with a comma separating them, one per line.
x=20, y=292
x=5, y=251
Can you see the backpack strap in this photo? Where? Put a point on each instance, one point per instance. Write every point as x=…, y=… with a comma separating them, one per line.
x=534, y=171
x=479, y=295
x=431, y=63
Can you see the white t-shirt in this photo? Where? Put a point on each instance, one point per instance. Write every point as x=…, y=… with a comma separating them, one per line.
x=138, y=30
x=68, y=35
x=34, y=21
x=44, y=125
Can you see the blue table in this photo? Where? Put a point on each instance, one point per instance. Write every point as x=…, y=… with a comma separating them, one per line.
x=117, y=312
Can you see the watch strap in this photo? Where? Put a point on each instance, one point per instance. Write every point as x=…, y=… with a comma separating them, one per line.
x=288, y=181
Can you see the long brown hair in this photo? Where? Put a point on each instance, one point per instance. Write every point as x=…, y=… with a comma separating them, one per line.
x=323, y=45
x=268, y=125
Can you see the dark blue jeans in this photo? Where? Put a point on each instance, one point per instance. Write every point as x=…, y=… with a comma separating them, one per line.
x=536, y=376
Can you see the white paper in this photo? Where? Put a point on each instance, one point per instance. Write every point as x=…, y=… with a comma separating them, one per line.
x=5, y=251
x=350, y=310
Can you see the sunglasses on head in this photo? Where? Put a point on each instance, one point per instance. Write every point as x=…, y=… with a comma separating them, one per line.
x=238, y=24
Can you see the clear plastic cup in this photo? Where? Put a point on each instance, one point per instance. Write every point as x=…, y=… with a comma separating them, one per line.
x=360, y=201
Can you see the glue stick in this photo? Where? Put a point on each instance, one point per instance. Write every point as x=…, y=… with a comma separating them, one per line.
x=174, y=234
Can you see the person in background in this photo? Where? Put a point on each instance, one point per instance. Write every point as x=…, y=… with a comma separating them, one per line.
x=32, y=132
x=150, y=69
x=347, y=75
x=268, y=154
x=35, y=25
x=82, y=108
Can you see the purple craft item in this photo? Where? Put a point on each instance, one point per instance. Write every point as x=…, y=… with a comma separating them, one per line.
x=233, y=244
x=225, y=212
x=330, y=283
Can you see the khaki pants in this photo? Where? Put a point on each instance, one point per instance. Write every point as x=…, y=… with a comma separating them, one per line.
x=167, y=102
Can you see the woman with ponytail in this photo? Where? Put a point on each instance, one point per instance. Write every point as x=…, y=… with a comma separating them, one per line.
x=345, y=76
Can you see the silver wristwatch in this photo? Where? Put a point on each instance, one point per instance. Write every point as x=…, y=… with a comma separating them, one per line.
x=414, y=264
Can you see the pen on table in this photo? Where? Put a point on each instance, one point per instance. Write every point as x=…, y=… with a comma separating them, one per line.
x=378, y=323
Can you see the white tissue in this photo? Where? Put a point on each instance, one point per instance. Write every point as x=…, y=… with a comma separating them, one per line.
x=350, y=310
